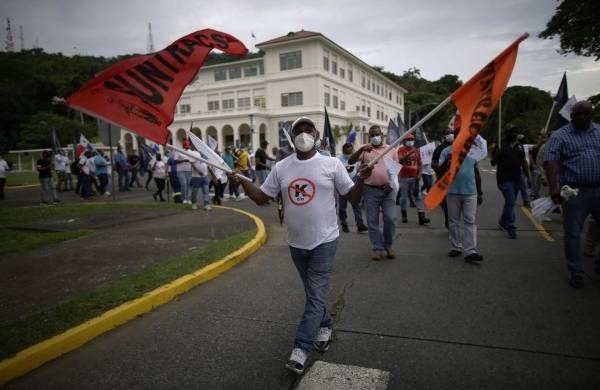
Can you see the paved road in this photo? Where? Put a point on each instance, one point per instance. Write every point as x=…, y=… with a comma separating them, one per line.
x=430, y=321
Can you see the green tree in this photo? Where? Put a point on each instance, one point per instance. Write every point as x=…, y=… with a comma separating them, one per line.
x=526, y=108
x=36, y=131
x=576, y=24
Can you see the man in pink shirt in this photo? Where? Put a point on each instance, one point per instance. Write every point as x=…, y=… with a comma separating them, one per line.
x=378, y=195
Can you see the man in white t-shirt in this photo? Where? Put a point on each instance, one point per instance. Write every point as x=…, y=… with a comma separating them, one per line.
x=199, y=180
x=184, y=172
x=60, y=168
x=308, y=182
x=3, y=168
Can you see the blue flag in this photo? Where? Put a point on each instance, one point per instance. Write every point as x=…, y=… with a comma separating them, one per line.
x=420, y=137
x=393, y=132
x=55, y=142
x=351, y=135
x=328, y=138
x=561, y=98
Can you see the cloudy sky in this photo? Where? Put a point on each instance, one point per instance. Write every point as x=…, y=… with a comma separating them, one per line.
x=436, y=36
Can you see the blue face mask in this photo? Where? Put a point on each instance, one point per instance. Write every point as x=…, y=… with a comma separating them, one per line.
x=318, y=144
x=376, y=141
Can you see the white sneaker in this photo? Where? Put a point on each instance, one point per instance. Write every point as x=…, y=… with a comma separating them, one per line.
x=323, y=339
x=296, y=361
x=194, y=206
x=241, y=197
x=207, y=208
x=226, y=196
x=107, y=193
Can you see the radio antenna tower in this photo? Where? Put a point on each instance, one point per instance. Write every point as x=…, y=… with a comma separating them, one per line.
x=9, y=45
x=150, y=47
x=21, y=38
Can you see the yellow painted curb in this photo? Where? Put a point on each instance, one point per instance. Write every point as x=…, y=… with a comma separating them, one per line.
x=21, y=187
x=538, y=226
x=73, y=338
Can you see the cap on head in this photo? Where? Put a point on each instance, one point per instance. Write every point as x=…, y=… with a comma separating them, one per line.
x=303, y=119
x=410, y=137
x=186, y=143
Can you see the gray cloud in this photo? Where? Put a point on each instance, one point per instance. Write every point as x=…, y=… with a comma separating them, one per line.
x=437, y=36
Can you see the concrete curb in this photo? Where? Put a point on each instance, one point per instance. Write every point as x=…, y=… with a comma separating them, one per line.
x=73, y=338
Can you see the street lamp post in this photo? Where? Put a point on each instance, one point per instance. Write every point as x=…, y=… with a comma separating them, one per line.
x=251, y=130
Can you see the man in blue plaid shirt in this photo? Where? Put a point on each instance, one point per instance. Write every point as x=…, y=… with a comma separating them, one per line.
x=573, y=158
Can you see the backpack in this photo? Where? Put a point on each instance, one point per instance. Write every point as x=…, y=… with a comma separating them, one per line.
x=75, y=169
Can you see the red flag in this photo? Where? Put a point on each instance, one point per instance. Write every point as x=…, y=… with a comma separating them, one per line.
x=475, y=101
x=140, y=93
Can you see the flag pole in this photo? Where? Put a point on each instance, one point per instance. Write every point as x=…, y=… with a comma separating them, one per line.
x=209, y=163
x=499, y=122
x=549, y=116
x=112, y=171
x=411, y=130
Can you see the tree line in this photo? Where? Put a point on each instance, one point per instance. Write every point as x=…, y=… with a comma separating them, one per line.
x=29, y=79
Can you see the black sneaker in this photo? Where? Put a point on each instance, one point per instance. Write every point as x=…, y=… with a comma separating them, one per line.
x=473, y=257
x=576, y=281
x=345, y=228
x=454, y=253
x=323, y=340
x=296, y=361
x=362, y=229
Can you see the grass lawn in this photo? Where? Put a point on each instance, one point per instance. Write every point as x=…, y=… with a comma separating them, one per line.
x=12, y=241
x=21, y=178
x=36, y=327
x=19, y=215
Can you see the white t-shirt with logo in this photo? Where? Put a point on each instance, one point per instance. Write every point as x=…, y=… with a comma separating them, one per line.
x=84, y=164
x=308, y=190
x=159, y=169
x=59, y=162
x=199, y=169
x=183, y=166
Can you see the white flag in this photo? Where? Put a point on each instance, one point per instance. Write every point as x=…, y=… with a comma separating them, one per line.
x=85, y=143
x=212, y=143
x=565, y=111
x=206, y=151
x=393, y=169
x=479, y=149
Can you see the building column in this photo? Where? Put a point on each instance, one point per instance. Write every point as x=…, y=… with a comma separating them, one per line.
x=236, y=136
x=221, y=140
x=255, y=139
x=32, y=163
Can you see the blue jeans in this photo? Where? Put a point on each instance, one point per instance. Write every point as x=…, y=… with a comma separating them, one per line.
x=196, y=183
x=343, y=205
x=509, y=190
x=377, y=199
x=523, y=188
x=261, y=176
x=86, y=186
x=184, y=184
x=47, y=185
x=123, y=180
x=575, y=211
x=407, y=187
x=314, y=267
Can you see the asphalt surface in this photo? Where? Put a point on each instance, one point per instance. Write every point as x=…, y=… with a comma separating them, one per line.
x=430, y=321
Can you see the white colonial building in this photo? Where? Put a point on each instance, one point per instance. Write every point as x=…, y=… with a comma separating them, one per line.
x=243, y=102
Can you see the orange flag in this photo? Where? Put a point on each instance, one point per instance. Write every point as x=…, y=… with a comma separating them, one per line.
x=475, y=101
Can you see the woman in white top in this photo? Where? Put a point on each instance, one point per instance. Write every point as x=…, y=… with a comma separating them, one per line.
x=159, y=171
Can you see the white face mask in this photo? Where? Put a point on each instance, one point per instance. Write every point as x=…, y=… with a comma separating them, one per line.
x=449, y=138
x=410, y=144
x=304, y=142
x=318, y=144
x=376, y=141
